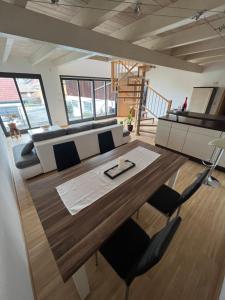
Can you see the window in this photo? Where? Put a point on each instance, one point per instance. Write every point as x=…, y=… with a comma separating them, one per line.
x=70, y=88
x=87, y=98
x=22, y=101
x=110, y=100
x=100, y=103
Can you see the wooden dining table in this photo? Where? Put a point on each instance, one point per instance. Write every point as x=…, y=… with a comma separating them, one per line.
x=73, y=239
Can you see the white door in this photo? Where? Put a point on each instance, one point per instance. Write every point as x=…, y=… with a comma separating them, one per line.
x=200, y=99
x=163, y=132
x=177, y=136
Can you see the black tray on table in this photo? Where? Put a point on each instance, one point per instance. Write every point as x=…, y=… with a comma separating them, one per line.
x=115, y=171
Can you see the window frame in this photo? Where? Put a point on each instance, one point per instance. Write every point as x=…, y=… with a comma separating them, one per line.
x=14, y=76
x=92, y=79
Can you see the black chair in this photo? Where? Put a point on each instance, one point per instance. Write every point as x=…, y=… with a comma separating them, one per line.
x=105, y=140
x=66, y=155
x=167, y=200
x=131, y=252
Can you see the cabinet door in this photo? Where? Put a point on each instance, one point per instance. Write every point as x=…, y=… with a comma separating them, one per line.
x=162, y=134
x=177, y=136
x=196, y=145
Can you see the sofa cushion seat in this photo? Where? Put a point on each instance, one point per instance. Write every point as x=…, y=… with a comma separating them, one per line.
x=24, y=161
x=75, y=128
x=51, y=134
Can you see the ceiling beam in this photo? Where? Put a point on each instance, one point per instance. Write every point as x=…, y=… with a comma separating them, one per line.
x=212, y=44
x=21, y=3
x=151, y=25
x=73, y=56
x=209, y=60
x=187, y=36
x=42, y=54
x=55, y=31
x=205, y=54
x=5, y=48
x=90, y=18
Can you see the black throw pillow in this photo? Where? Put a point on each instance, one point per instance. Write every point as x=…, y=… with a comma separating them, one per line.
x=105, y=141
x=66, y=155
x=27, y=149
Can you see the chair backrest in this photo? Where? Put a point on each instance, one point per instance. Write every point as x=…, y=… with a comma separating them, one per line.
x=105, y=140
x=156, y=249
x=191, y=189
x=66, y=155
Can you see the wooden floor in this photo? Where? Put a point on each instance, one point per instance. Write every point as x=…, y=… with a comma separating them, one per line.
x=192, y=269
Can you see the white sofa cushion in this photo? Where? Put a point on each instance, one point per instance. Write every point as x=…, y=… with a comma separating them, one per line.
x=86, y=143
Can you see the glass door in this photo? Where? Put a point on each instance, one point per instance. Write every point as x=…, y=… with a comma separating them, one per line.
x=22, y=102
x=33, y=101
x=100, y=103
x=110, y=100
x=11, y=109
x=72, y=99
x=86, y=98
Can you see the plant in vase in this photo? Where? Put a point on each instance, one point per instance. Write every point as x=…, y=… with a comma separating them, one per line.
x=129, y=121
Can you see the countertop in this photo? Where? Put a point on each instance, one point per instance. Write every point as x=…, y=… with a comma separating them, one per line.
x=200, y=120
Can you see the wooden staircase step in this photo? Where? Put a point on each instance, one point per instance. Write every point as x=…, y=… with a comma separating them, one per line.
x=148, y=119
x=129, y=91
x=134, y=84
x=146, y=131
x=136, y=77
x=148, y=125
x=129, y=97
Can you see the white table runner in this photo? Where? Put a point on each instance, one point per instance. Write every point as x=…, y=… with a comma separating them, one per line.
x=87, y=188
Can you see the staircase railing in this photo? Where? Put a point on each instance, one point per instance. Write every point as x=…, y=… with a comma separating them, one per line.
x=156, y=104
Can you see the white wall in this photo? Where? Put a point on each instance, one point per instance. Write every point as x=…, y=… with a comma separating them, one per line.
x=15, y=281
x=176, y=84
x=88, y=67
x=50, y=77
x=173, y=84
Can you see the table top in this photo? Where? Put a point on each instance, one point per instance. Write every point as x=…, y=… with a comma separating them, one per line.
x=73, y=239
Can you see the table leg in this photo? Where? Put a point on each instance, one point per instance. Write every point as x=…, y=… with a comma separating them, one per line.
x=172, y=181
x=81, y=282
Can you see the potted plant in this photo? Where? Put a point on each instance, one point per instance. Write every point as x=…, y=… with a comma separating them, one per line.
x=129, y=121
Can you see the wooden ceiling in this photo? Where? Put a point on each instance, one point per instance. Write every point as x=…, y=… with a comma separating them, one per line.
x=192, y=30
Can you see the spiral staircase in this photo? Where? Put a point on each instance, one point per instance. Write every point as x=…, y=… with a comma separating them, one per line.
x=134, y=93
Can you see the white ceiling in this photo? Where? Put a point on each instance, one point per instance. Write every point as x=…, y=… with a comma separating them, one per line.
x=167, y=26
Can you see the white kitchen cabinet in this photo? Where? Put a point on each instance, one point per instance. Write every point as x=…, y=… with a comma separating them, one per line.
x=163, y=132
x=177, y=136
x=196, y=142
x=188, y=139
